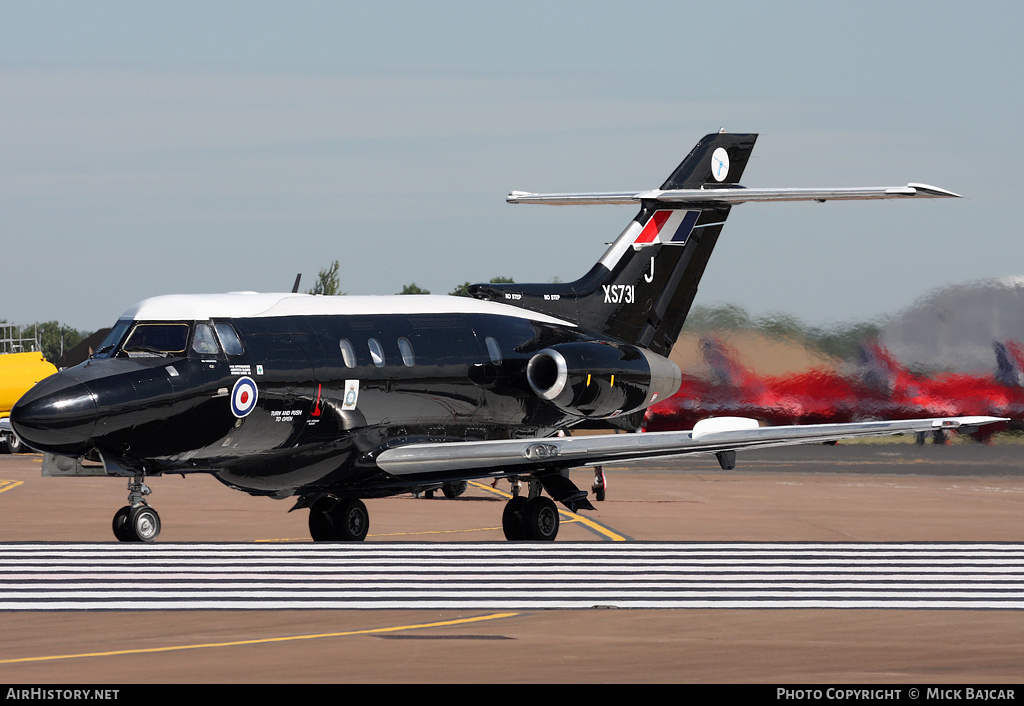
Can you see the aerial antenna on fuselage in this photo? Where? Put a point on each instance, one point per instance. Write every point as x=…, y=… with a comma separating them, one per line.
x=295, y=287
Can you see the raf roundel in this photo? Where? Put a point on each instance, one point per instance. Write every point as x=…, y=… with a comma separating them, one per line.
x=244, y=396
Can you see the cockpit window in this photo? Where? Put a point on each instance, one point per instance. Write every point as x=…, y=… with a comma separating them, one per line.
x=109, y=344
x=204, y=341
x=156, y=339
x=229, y=338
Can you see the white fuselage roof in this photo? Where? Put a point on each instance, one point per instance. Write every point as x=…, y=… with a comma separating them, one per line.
x=202, y=307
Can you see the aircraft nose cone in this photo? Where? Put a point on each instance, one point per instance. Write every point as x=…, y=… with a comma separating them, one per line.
x=57, y=415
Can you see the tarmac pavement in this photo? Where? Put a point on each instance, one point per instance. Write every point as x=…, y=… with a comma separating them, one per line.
x=854, y=493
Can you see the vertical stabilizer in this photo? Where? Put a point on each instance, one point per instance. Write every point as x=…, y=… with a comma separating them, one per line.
x=641, y=290
x=1010, y=363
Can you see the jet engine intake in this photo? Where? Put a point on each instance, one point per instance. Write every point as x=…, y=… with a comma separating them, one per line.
x=601, y=380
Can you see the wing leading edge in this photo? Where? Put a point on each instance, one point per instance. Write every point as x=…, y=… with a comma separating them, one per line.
x=715, y=436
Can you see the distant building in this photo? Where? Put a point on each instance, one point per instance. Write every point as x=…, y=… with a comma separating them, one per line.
x=83, y=350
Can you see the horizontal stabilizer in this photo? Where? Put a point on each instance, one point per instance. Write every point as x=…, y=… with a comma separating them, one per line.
x=732, y=195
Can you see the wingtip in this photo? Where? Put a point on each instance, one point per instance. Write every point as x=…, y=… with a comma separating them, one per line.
x=934, y=191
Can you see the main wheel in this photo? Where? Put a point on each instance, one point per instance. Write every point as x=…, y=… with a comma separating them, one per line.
x=512, y=519
x=352, y=520
x=345, y=520
x=540, y=519
x=454, y=490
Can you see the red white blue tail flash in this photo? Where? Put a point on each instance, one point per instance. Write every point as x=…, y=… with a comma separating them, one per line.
x=668, y=227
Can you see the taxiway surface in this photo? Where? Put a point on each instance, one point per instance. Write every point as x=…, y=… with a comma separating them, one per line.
x=846, y=493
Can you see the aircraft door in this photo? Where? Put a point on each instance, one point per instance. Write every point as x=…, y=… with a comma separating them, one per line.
x=274, y=396
x=289, y=391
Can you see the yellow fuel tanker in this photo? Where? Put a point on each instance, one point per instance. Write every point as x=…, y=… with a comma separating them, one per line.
x=18, y=373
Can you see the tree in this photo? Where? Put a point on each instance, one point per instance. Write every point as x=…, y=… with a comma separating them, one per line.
x=462, y=290
x=721, y=317
x=327, y=281
x=413, y=289
x=55, y=339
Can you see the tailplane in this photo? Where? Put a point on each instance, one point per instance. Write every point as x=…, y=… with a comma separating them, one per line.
x=642, y=288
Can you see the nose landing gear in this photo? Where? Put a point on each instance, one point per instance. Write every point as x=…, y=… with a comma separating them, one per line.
x=136, y=521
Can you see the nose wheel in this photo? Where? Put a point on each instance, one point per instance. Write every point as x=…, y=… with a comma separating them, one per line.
x=136, y=521
x=136, y=524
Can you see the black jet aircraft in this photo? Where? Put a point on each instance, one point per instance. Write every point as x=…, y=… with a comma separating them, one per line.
x=336, y=399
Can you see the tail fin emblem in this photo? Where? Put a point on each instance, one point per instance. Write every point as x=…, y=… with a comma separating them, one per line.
x=720, y=164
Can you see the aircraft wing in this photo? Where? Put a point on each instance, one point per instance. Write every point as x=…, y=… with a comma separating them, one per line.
x=723, y=435
x=733, y=195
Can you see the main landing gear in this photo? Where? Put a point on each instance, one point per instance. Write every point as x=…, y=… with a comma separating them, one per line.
x=136, y=521
x=451, y=490
x=530, y=519
x=338, y=520
x=347, y=520
x=534, y=518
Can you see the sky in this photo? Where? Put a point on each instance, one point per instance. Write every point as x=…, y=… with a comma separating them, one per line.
x=155, y=148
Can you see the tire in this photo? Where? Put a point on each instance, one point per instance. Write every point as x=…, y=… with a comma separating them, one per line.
x=14, y=444
x=512, y=519
x=351, y=520
x=143, y=524
x=120, y=524
x=540, y=519
x=454, y=490
x=320, y=519
x=333, y=520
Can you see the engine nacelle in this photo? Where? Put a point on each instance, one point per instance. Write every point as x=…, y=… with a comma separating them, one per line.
x=601, y=380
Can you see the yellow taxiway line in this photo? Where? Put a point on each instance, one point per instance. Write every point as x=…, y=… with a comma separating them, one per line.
x=6, y=485
x=570, y=516
x=265, y=640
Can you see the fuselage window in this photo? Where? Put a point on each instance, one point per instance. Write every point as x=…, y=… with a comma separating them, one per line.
x=405, y=347
x=376, y=352
x=348, y=353
x=493, y=350
x=157, y=339
x=229, y=338
x=204, y=341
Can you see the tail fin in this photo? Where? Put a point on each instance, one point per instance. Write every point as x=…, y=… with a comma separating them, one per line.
x=641, y=290
x=1010, y=363
x=879, y=370
x=726, y=370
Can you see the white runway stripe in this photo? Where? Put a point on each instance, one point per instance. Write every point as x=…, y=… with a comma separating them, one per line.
x=516, y=576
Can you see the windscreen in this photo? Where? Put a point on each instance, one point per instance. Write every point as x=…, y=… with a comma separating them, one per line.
x=156, y=340
x=109, y=345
